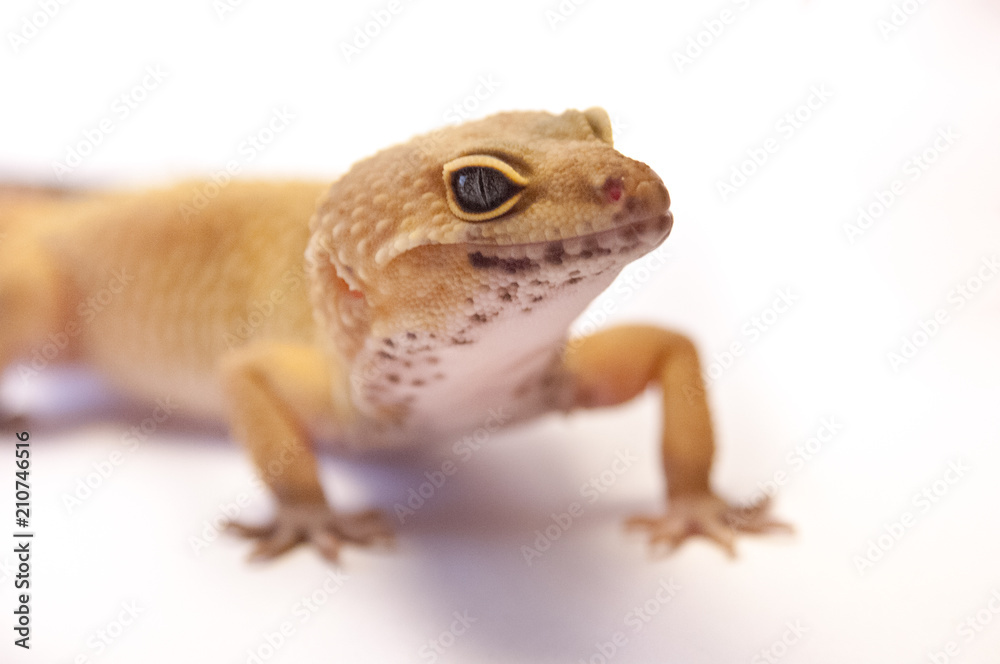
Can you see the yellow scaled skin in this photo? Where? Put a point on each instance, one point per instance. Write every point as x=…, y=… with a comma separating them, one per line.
x=376, y=312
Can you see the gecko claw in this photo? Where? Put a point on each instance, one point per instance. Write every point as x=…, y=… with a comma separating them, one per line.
x=316, y=524
x=707, y=515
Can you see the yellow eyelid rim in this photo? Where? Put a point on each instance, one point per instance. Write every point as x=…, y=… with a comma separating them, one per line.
x=485, y=161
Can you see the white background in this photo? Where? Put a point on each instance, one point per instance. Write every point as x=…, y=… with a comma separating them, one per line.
x=826, y=357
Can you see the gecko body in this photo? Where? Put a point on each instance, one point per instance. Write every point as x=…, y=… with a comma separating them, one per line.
x=426, y=290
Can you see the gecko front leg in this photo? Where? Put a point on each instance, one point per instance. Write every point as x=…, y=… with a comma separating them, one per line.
x=275, y=392
x=614, y=366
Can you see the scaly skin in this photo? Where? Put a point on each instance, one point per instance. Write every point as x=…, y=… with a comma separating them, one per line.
x=400, y=314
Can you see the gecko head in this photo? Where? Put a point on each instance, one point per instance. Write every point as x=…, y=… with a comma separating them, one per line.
x=530, y=195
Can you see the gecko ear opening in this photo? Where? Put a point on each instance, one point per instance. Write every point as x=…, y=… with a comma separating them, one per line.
x=599, y=121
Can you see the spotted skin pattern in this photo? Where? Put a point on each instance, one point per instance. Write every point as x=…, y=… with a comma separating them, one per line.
x=388, y=309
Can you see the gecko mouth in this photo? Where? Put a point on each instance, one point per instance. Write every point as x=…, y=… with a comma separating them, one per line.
x=622, y=244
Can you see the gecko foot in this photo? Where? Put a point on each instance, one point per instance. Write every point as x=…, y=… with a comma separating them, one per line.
x=708, y=515
x=317, y=524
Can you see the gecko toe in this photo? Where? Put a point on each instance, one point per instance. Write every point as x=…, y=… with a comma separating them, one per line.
x=709, y=516
x=328, y=544
x=248, y=531
x=315, y=524
x=280, y=541
x=721, y=534
x=366, y=527
x=755, y=518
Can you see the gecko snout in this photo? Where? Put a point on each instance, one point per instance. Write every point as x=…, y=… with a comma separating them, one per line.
x=634, y=197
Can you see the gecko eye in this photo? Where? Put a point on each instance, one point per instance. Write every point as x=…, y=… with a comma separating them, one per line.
x=481, y=187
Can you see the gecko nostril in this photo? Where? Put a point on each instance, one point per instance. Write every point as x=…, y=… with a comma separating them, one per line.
x=613, y=188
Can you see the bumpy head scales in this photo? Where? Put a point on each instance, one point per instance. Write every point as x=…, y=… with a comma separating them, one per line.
x=503, y=193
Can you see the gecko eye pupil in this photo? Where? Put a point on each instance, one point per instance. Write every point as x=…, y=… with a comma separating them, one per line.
x=482, y=187
x=479, y=189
